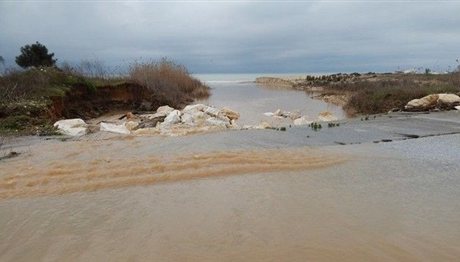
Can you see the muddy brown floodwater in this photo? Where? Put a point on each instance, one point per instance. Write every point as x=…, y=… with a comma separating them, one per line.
x=79, y=170
x=240, y=195
x=267, y=197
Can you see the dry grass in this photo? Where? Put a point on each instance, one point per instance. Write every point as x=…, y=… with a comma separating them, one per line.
x=26, y=95
x=169, y=81
x=380, y=97
x=379, y=93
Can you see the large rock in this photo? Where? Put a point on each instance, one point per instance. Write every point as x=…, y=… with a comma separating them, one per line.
x=151, y=120
x=72, y=127
x=164, y=110
x=294, y=115
x=172, y=118
x=326, y=116
x=424, y=103
x=284, y=114
x=212, y=111
x=188, y=118
x=301, y=121
x=229, y=113
x=197, y=107
x=160, y=116
x=448, y=101
x=131, y=125
x=114, y=128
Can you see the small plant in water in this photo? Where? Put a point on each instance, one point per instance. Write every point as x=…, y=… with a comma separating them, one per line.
x=333, y=124
x=315, y=126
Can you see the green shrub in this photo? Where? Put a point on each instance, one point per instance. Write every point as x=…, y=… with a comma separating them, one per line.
x=35, y=55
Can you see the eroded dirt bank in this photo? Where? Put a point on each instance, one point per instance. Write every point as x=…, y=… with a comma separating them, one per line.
x=84, y=102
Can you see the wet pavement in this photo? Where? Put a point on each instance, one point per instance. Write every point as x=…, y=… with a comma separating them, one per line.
x=382, y=189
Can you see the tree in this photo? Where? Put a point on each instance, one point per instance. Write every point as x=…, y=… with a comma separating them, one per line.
x=35, y=55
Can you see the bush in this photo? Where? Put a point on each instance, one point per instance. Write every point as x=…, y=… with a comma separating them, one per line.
x=171, y=83
x=35, y=55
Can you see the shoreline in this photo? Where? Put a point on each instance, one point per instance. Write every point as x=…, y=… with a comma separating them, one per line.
x=371, y=93
x=318, y=92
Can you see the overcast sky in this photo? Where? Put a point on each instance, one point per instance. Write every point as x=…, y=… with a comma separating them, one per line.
x=243, y=36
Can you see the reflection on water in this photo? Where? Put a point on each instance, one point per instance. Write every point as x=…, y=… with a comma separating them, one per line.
x=253, y=100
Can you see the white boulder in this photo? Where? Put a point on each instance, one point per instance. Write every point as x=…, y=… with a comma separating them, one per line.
x=284, y=114
x=212, y=111
x=153, y=116
x=172, y=118
x=197, y=107
x=72, y=127
x=114, y=128
x=448, y=101
x=424, y=103
x=301, y=121
x=164, y=110
x=188, y=119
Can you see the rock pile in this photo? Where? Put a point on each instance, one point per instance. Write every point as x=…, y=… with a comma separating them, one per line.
x=298, y=119
x=433, y=101
x=165, y=121
x=192, y=119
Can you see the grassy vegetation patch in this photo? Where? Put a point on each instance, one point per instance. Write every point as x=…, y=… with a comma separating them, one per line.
x=30, y=98
x=378, y=93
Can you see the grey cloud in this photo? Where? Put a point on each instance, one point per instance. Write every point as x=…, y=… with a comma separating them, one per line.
x=242, y=36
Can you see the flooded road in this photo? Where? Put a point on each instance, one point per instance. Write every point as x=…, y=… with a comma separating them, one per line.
x=253, y=195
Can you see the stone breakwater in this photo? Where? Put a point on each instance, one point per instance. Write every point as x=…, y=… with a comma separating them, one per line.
x=192, y=119
x=165, y=121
